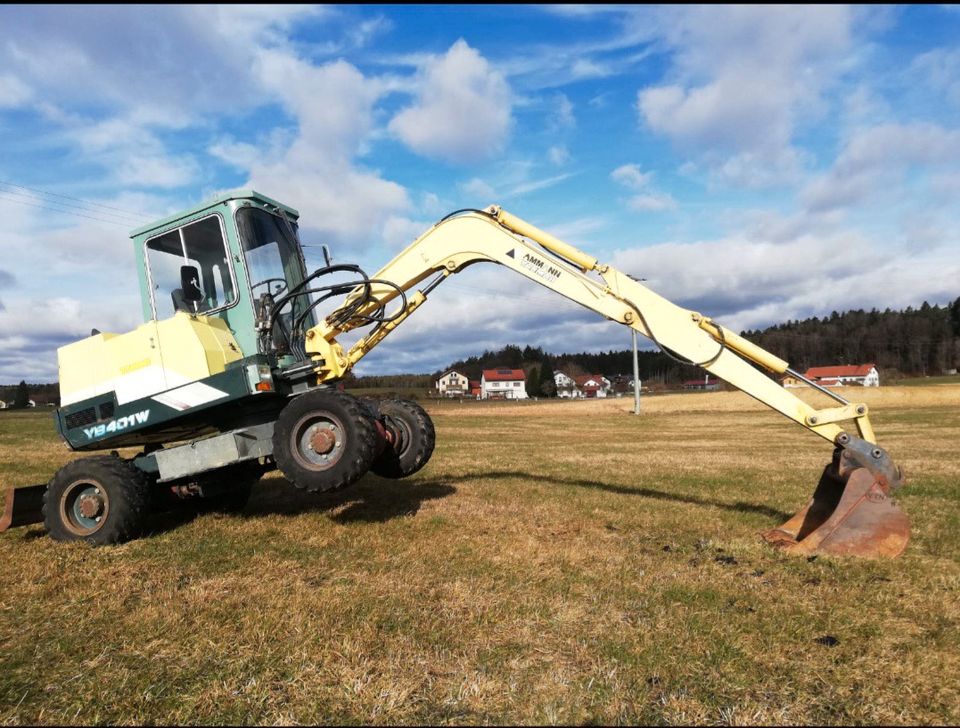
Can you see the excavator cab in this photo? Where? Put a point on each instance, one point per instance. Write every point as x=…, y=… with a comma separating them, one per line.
x=243, y=249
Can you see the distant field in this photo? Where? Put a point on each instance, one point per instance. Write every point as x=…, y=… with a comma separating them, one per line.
x=926, y=381
x=556, y=562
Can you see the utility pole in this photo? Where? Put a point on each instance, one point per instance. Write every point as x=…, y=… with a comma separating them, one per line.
x=636, y=363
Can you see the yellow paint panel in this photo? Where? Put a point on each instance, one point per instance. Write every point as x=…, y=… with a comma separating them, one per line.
x=154, y=357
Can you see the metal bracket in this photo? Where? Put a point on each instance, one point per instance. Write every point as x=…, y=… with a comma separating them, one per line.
x=837, y=414
x=853, y=452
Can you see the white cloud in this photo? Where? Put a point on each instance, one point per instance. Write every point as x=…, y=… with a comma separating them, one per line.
x=562, y=113
x=538, y=184
x=115, y=58
x=463, y=108
x=629, y=175
x=239, y=155
x=874, y=162
x=317, y=173
x=13, y=92
x=655, y=202
x=748, y=281
x=647, y=199
x=477, y=188
x=939, y=70
x=157, y=171
x=742, y=78
x=558, y=155
x=399, y=232
x=586, y=68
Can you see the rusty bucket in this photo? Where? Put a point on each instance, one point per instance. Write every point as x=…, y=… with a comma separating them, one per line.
x=23, y=506
x=852, y=512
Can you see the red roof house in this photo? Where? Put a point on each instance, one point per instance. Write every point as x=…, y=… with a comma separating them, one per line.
x=592, y=385
x=503, y=384
x=836, y=376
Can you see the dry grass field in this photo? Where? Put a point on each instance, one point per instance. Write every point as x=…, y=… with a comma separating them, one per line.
x=560, y=562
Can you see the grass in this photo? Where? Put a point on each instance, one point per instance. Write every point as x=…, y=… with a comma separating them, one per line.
x=928, y=381
x=554, y=563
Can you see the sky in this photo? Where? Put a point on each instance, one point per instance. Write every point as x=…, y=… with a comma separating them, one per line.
x=758, y=164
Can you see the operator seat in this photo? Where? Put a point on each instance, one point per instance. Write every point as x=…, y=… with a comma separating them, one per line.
x=182, y=304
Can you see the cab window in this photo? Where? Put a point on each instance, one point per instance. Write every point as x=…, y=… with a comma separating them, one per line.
x=201, y=245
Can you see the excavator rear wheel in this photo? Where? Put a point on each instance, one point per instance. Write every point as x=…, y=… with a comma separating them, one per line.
x=325, y=440
x=100, y=500
x=413, y=442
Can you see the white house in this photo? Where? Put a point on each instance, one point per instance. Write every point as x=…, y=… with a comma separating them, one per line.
x=503, y=384
x=566, y=387
x=593, y=385
x=866, y=375
x=453, y=384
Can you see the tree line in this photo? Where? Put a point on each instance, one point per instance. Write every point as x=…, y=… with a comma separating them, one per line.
x=19, y=396
x=913, y=342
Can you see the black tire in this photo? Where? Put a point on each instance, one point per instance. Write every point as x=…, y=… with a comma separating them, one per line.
x=416, y=442
x=228, y=490
x=345, y=419
x=100, y=500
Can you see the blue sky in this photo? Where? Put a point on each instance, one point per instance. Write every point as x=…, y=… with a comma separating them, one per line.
x=756, y=163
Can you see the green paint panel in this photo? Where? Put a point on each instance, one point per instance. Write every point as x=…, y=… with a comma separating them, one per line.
x=100, y=423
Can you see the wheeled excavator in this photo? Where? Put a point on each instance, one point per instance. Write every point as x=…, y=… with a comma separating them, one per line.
x=233, y=373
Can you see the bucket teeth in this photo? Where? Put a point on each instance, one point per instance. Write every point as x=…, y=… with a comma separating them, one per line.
x=852, y=514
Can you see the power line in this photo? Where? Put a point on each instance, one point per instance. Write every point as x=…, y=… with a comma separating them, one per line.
x=47, y=206
x=123, y=217
x=89, y=203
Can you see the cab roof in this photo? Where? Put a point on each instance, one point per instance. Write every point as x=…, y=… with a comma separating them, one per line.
x=241, y=194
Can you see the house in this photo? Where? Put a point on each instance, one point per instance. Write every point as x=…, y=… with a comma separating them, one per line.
x=475, y=388
x=566, y=387
x=790, y=382
x=503, y=384
x=703, y=385
x=593, y=385
x=866, y=375
x=453, y=384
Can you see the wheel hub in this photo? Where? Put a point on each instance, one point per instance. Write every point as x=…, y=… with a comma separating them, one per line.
x=322, y=441
x=84, y=507
x=318, y=441
x=90, y=505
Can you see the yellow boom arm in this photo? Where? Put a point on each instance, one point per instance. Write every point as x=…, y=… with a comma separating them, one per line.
x=494, y=235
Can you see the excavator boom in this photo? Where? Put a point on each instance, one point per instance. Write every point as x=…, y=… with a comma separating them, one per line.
x=852, y=511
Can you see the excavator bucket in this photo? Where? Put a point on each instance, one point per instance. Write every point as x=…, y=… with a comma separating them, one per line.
x=851, y=513
x=23, y=506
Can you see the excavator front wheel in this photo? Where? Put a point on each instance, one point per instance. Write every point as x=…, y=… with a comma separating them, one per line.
x=325, y=440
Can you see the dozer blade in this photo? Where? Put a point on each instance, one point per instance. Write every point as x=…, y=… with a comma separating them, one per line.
x=23, y=506
x=852, y=512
